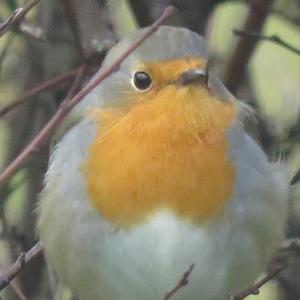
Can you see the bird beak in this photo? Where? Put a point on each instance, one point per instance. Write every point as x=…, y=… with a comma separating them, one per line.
x=193, y=76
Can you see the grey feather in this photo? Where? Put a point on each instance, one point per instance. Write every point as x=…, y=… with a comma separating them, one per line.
x=166, y=43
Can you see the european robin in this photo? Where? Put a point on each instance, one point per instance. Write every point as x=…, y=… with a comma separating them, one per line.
x=158, y=174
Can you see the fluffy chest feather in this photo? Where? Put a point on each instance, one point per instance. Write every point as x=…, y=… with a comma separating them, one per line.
x=99, y=262
x=166, y=154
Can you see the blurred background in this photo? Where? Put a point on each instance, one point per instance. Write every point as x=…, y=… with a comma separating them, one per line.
x=40, y=57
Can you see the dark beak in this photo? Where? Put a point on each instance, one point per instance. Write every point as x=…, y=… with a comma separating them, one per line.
x=193, y=77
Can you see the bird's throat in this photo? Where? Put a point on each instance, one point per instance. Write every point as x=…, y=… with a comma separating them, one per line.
x=170, y=154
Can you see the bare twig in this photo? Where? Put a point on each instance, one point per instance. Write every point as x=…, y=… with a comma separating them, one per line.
x=49, y=84
x=17, y=16
x=181, y=283
x=76, y=84
x=277, y=264
x=272, y=38
x=258, y=12
x=28, y=30
x=254, y=290
x=20, y=263
x=67, y=105
x=16, y=289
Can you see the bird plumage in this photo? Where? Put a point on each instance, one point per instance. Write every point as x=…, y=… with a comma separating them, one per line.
x=119, y=215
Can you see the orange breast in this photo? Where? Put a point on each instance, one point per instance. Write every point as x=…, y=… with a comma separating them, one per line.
x=167, y=153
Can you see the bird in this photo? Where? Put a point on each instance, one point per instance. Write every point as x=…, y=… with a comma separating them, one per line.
x=160, y=173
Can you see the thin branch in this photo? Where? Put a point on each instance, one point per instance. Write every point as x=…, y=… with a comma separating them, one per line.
x=17, y=16
x=76, y=84
x=20, y=263
x=184, y=281
x=17, y=291
x=272, y=38
x=234, y=72
x=67, y=105
x=28, y=30
x=49, y=84
x=255, y=289
x=273, y=270
x=15, y=288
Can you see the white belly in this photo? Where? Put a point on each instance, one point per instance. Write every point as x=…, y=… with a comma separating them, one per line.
x=146, y=262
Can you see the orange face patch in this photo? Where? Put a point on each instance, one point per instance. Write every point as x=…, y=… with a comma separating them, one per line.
x=164, y=73
x=167, y=152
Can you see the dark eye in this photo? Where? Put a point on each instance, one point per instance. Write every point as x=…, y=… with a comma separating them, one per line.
x=142, y=81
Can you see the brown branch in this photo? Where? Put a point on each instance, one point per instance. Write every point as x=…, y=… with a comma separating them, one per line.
x=49, y=84
x=67, y=105
x=17, y=17
x=76, y=84
x=28, y=30
x=272, y=38
x=18, y=291
x=254, y=290
x=184, y=281
x=275, y=267
x=20, y=263
x=16, y=288
x=235, y=70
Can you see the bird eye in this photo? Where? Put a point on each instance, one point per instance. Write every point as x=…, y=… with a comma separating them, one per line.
x=142, y=81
